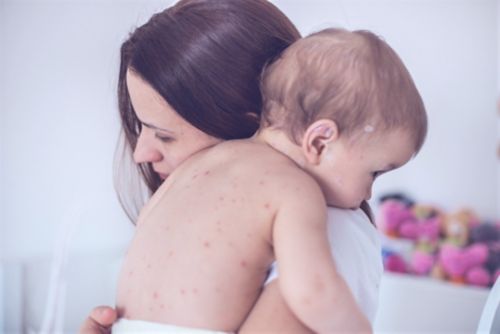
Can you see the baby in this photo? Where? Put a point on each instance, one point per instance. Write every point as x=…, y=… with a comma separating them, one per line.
x=340, y=109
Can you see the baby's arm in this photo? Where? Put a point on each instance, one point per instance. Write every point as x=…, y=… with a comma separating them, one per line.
x=309, y=282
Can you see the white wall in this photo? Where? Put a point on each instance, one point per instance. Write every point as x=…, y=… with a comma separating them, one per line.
x=498, y=103
x=59, y=121
x=2, y=129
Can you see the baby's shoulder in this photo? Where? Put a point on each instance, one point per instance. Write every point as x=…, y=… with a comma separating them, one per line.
x=259, y=165
x=294, y=186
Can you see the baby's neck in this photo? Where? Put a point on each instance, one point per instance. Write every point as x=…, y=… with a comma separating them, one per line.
x=280, y=142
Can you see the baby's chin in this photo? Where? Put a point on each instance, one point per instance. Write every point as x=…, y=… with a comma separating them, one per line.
x=332, y=204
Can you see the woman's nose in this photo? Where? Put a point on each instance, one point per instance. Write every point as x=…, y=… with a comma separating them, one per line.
x=146, y=149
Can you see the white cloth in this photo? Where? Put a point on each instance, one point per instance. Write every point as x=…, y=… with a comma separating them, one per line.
x=356, y=249
x=126, y=326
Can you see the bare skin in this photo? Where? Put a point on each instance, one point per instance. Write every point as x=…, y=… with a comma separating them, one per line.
x=233, y=209
x=271, y=314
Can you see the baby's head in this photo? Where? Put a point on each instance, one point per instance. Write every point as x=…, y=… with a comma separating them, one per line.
x=347, y=100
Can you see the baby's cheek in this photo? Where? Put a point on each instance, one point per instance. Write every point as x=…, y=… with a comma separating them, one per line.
x=338, y=181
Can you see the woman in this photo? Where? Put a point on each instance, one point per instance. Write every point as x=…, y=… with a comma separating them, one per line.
x=201, y=61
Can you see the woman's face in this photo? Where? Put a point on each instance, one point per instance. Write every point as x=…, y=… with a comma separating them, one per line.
x=166, y=139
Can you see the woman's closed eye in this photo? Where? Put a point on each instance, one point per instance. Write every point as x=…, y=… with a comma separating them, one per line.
x=162, y=134
x=164, y=138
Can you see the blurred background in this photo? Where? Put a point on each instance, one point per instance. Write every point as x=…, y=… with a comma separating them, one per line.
x=59, y=127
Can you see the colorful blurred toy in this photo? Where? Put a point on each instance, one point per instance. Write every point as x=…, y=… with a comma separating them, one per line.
x=486, y=232
x=465, y=265
x=422, y=262
x=394, y=216
x=456, y=227
x=422, y=240
x=395, y=263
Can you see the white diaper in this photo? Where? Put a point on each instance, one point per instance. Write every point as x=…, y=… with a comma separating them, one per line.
x=146, y=327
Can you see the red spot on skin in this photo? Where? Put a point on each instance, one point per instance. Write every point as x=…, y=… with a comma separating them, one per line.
x=148, y=266
x=261, y=183
x=219, y=230
x=267, y=206
x=155, y=295
x=221, y=198
x=230, y=244
x=170, y=254
x=218, y=222
x=150, y=309
x=194, y=176
x=233, y=201
x=166, y=228
x=249, y=235
x=243, y=263
x=207, y=172
x=206, y=244
x=183, y=292
x=218, y=290
x=162, y=306
x=130, y=273
x=195, y=291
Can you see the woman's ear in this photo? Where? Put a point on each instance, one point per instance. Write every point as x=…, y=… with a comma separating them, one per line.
x=316, y=137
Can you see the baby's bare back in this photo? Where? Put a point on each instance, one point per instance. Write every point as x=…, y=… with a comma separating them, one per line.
x=203, y=245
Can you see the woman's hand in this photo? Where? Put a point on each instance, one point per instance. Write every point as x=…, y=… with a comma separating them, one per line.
x=99, y=321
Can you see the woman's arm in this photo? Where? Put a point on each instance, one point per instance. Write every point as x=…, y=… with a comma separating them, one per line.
x=271, y=314
x=99, y=321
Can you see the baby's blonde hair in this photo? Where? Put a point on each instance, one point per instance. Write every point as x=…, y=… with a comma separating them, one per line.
x=353, y=78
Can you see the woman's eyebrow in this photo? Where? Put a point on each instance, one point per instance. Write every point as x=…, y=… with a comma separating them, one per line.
x=154, y=127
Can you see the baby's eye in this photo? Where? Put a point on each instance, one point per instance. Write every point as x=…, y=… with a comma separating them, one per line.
x=163, y=138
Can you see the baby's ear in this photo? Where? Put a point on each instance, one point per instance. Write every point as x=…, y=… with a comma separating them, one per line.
x=316, y=137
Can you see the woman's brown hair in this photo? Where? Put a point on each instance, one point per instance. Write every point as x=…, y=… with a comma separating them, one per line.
x=204, y=57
